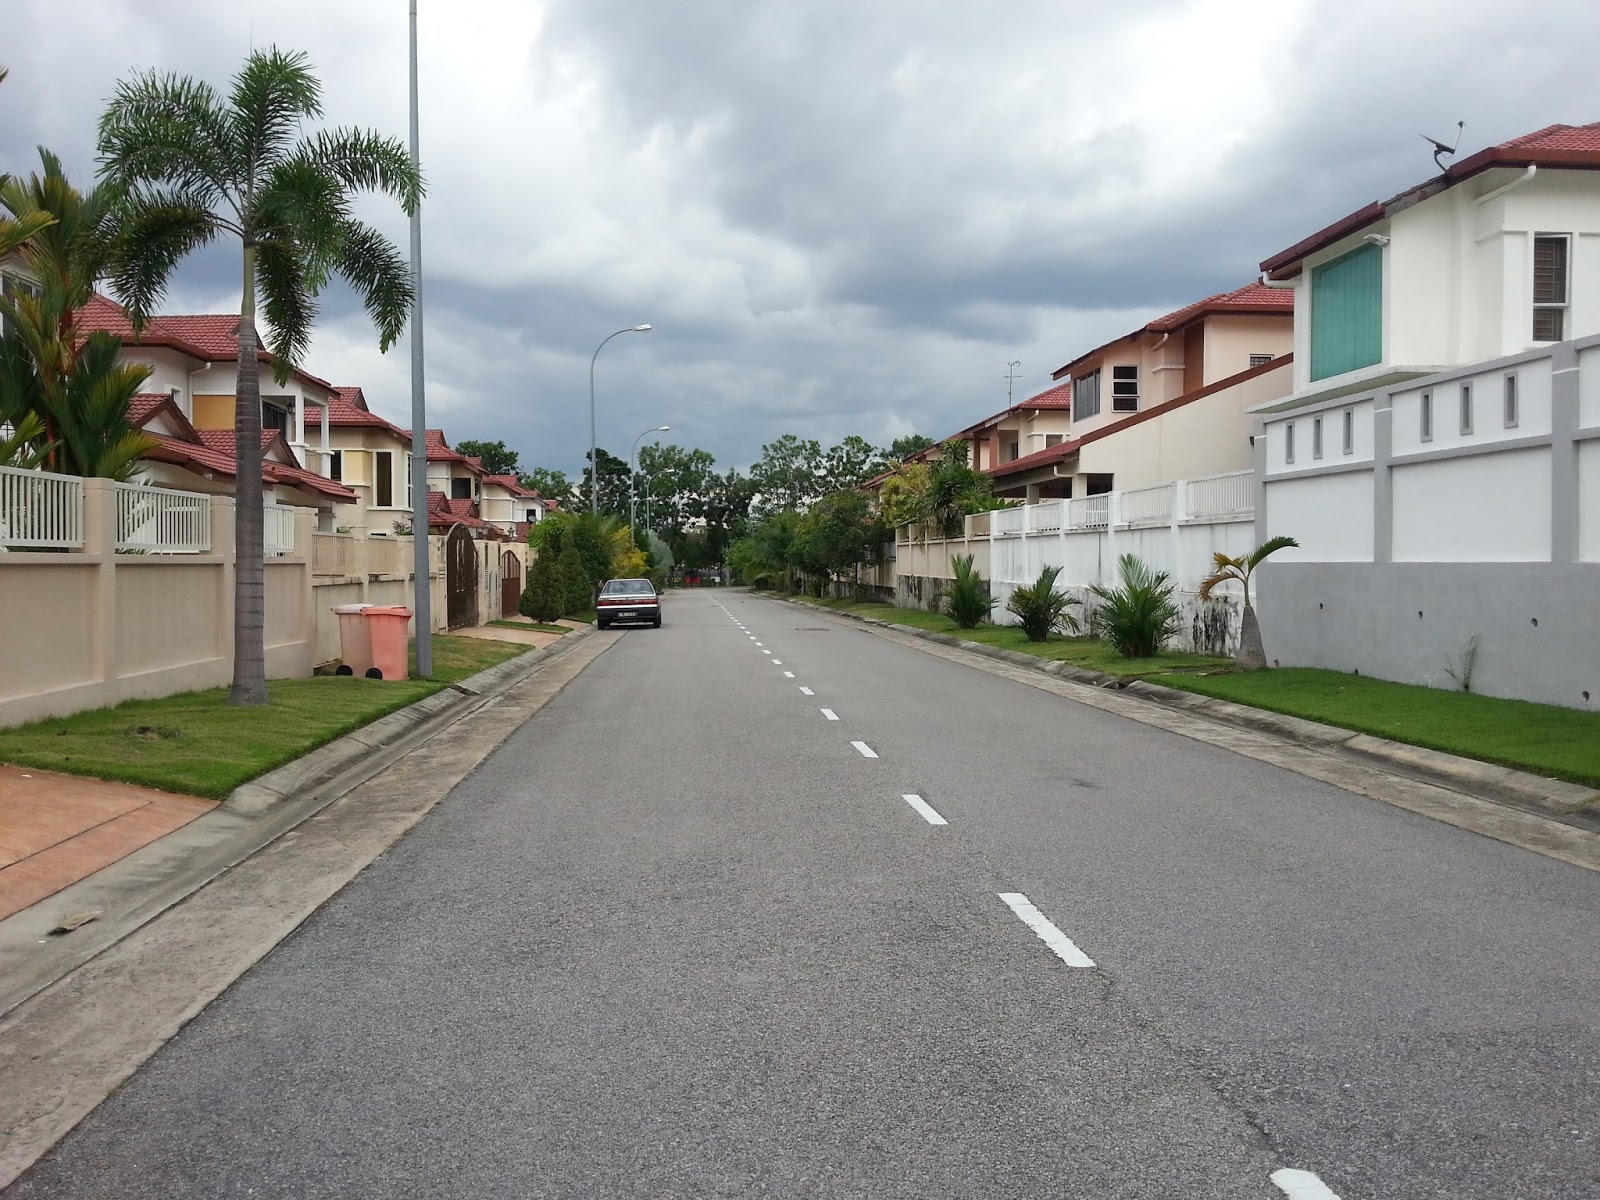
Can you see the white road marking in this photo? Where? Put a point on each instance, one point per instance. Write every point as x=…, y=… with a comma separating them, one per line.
x=805, y=691
x=1035, y=920
x=777, y=662
x=830, y=714
x=866, y=750
x=757, y=643
x=790, y=675
x=766, y=652
x=1302, y=1185
x=926, y=809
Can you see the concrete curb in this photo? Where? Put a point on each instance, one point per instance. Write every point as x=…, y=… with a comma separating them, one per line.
x=140, y=887
x=1570, y=803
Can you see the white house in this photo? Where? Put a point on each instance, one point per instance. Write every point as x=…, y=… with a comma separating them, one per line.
x=1439, y=456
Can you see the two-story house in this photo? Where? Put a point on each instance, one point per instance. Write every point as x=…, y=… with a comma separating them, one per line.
x=1444, y=424
x=510, y=506
x=372, y=457
x=1167, y=401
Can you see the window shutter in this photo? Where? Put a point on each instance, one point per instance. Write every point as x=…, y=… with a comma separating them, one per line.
x=1347, y=313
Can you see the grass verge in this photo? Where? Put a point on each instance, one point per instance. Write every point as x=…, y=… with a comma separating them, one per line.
x=534, y=625
x=195, y=743
x=1563, y=743
x=1089, y=653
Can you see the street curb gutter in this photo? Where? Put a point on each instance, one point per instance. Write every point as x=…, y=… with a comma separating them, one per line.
x=140, y=887
x=1569, y=803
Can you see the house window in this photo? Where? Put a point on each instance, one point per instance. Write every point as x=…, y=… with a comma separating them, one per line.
x=1316, y=437
x=1086, y=396
x=12, y=286
x=1550, y=287
x=1288, y=442
x=277, y=413
x=1347, y=313
x=1511, y=402
x=1261, y=360
x=1051, y=439
x=336, y=464
x=1349, y=431
x=1466, y=409
x=1125, y=389
x=461, y=489
x=1427, y=416
x=383, y=479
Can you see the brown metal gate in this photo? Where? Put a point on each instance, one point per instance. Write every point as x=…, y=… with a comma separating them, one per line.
x=510, y=583
x=461, y=578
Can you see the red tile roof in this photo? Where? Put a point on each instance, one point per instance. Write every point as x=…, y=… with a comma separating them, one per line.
x=439, y=451
x=348, y=408
x=1059, y=396
x=444, y=512
x=1253, y=299
x=512, y=484
x=1569, y=147
x=143, y=406
x=208, y=338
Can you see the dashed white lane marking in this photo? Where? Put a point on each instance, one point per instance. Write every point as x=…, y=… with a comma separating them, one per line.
x=926, y=809
x=777, y=662
x=830, y=714
x=1035, y=920
x=766, y=652
x=866, y=750
x=757, y=643
x=805, y=691
x=790, y=675
x=1302, y=1185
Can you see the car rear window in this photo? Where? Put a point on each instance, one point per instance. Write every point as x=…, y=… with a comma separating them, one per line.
x=629, y=587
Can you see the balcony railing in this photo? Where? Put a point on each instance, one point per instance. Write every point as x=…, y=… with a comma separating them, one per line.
x=40, y=509
x=277, y=530
x=161, y=521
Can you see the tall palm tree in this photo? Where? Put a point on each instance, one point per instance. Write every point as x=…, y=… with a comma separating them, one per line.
x=198, y=168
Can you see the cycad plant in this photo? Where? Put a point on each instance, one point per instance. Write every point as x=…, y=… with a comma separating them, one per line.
x=967, y=601
x=1041, y=609
x=1252, y=654
x=200, y=167
x=1138, y=617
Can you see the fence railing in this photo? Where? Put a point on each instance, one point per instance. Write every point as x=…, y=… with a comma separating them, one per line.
x=1231, y=495
x=1007, y=520
x=1089, y=512
x=162, y=521
x=1148, y=506
x=333, y=554
x=40, y=509
x=277, y=535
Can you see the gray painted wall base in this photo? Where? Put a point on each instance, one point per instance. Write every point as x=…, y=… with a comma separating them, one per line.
x=1538, y=624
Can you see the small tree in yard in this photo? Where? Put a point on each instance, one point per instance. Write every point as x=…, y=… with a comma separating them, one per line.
x=1252, y=654
x=542, y=598
x=1041, y=609
x=577, y=593
x=967, y=602
x=1138, y=617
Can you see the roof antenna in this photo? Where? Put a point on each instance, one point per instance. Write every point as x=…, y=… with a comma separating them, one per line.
x=1011, y=373
x=1440, y=148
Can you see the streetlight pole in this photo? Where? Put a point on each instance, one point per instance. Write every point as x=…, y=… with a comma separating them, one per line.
x=594, y=456
x=633, y=469
x=422, y=597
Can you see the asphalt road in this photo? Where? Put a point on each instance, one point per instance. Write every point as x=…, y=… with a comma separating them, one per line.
x=682, y=937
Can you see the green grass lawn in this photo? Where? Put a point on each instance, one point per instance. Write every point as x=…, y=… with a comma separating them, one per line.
x=196, y=744
x=1089, y=653
x=534, y=625
x=1563, y=743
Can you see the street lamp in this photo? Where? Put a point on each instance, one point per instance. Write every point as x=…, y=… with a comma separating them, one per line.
x=633, y=469
x=594, y=456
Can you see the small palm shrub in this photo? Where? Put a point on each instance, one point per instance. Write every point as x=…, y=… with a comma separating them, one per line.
x=1040, y=609
x=967, y=601
x=1137, y=618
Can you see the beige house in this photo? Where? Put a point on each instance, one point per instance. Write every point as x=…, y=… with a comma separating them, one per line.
x=510, y=506
x=372, y=457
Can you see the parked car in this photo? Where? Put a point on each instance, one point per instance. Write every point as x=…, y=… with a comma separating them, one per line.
x=628, y=600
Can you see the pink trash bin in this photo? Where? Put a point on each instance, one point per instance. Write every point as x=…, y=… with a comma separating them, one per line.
x=390, y=645
x=355, y=639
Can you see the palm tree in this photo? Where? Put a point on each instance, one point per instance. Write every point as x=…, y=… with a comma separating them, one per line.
x=76, y=387
x=199, y=167
x=1252, y=654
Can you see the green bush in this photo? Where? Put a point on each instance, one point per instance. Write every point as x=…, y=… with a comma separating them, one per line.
x=1137, y=618
x=1040, y=609
x=542, y=598
x=576, y=591
x=967, y=602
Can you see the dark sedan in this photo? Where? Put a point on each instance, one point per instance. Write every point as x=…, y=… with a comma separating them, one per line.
x=628, y=600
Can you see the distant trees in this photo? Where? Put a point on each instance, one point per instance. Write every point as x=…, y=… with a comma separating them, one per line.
x=498, y=458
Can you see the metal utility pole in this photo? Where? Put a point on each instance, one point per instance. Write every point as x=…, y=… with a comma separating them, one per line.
x=594, y=456
x=422, y=598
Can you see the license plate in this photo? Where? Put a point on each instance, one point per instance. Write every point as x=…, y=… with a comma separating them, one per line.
x=627, y=613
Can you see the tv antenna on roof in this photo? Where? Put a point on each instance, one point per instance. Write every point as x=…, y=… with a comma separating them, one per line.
x=1440, y=148
x=1011, y=373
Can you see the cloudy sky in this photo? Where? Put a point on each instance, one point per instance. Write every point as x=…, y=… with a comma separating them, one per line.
x=841, y=216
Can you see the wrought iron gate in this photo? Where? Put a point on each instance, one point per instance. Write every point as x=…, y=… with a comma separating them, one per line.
x=461, y=578
x=510, y=583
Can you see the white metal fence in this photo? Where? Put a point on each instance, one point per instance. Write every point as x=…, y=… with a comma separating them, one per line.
x=1148, y=506
x=1228, y=497
x=1089, y=512
x=162, y=521
x=277, y=530
x=40, y=509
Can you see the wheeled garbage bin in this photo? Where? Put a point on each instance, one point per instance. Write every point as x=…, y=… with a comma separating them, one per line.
x=355, y=639
x=390, y=645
